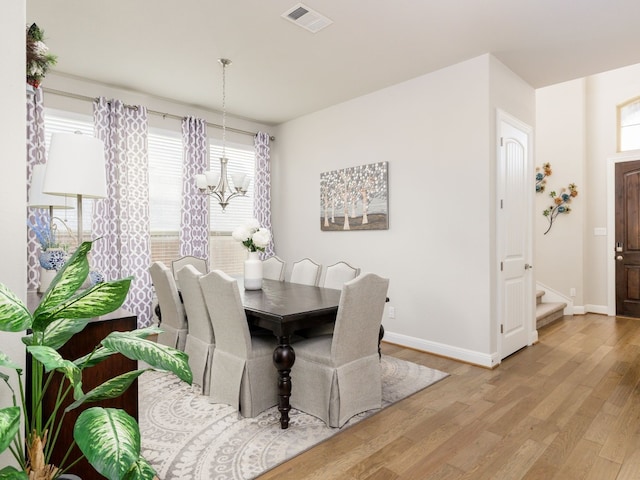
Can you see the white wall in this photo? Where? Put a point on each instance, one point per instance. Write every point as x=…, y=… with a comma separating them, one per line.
x=577, y=124
x=436, y=132
x=13, y=192
x=561, y=140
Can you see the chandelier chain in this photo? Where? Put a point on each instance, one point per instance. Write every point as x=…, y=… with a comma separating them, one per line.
x=224, y=108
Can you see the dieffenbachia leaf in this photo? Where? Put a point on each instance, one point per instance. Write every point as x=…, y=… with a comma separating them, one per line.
x=10, y=473
x=110, y=440
x=112, y=388
x=53, y=361
x=154, y=354
x=9, y=425
x=100, y=299
x=14, y=315
x=141, y=471
x=5, y=361
x=61, y=330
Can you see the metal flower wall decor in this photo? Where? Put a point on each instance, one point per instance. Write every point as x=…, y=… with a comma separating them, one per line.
x=541, y=176
x=560, y=203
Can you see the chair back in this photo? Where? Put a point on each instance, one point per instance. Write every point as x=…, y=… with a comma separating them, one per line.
x=360, y=310
x=229, y=321
x=273, y=268
x=194, y=304
x=171, y=307
x=306, y=272
x=338, y=274
x=199, y=263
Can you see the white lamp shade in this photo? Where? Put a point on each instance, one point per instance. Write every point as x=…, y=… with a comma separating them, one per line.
x=39, y=199
x=75, y=166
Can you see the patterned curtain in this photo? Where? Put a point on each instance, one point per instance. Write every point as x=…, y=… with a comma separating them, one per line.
x=262, y=188
x=194, y=212
x=121, y=221
x=35, y=154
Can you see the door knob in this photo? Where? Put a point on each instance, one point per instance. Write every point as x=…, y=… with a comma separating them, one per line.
x=527, y=266
x=619, y=257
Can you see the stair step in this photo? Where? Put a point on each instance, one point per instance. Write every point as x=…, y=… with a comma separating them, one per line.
x=549, y=312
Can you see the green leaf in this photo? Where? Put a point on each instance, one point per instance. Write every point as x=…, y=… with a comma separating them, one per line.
x=53, y=361
x=9, y=425
x=14, y=316
x=70, y=277
x=61, y=330
x=141, y=471
x=110, y=440
x=101, y=352
x=112, y=388
x=10, y=473
x=100, y=299
x=5, y=361
x=155, y=354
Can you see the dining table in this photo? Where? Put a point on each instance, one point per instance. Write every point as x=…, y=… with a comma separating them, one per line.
x=285, y=308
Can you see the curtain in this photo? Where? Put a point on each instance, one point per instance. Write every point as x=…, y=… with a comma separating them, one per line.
x=36, y=154
x=121, y=221
x=262, y=188
x=194, y=211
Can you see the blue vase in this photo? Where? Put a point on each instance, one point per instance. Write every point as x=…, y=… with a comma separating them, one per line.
x=52, y=259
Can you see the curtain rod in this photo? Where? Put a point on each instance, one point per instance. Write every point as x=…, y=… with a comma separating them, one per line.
x=153, y=112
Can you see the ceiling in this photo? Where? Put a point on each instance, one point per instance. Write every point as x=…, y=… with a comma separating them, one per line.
x=280, y=71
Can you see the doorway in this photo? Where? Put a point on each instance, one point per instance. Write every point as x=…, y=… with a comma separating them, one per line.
x=514, y=223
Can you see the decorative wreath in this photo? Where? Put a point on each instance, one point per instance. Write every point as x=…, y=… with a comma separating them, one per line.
x=38, y=57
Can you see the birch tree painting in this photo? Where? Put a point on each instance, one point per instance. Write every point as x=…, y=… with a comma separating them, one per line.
x=355, y=198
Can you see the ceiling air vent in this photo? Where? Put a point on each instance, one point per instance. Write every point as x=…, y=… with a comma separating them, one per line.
x=306, y=18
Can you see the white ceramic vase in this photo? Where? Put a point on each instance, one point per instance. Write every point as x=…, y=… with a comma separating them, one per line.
x=253, y=272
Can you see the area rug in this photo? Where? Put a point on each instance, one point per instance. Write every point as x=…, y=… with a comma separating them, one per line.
x=185, y=437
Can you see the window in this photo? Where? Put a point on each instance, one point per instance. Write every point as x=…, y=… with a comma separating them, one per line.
x=165, y=191
x=629, y=125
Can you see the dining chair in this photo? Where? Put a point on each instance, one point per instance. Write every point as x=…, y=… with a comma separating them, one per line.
x=173, y=320
x=306, y=272
x=273, y=268
x=338, y=376
x=338, y=274
x=200, y=341
x=199, y=263
x=242, y=371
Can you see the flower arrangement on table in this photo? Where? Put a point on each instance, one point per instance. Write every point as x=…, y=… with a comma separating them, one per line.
x=53, y=254
x=541, y=176
x=38, y=57
x=560, y=203
x=252, y=236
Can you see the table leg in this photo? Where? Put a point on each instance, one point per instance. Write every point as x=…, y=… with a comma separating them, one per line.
x=283, y=358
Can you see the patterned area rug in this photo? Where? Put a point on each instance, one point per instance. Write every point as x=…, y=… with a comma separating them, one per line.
x=185, y=437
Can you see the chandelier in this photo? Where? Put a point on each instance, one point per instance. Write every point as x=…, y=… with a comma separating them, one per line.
x=217, y=184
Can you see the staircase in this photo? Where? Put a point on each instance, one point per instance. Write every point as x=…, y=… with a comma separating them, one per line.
x=547, y=312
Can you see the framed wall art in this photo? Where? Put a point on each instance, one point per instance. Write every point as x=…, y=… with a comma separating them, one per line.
x=355, y=198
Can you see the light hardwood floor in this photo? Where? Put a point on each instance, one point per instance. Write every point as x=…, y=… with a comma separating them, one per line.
x=565, y=408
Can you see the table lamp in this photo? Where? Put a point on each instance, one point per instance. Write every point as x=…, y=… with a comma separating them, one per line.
x=76, y=168
x=39, y=199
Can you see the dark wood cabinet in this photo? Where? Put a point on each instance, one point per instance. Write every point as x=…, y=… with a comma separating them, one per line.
x=81, y=344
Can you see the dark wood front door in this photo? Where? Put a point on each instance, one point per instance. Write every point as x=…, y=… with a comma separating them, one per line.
x=627, y=247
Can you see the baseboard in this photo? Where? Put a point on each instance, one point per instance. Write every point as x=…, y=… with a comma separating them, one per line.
x=601, y=309
x=461, y=354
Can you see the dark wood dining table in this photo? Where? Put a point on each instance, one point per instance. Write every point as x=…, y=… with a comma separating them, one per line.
x=284, y=308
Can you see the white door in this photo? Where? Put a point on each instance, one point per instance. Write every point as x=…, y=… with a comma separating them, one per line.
x=515, y=189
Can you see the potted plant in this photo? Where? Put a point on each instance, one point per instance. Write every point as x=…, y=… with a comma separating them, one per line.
x=108, y=438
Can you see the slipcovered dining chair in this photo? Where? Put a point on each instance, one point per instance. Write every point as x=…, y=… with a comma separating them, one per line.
x=242, y=371
x=173, y=317
x=338, y=376
x=306, y=272
x=199, y=263
x=200, y=341
x=335, y=277
x=338, y=274
x=273, y=268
